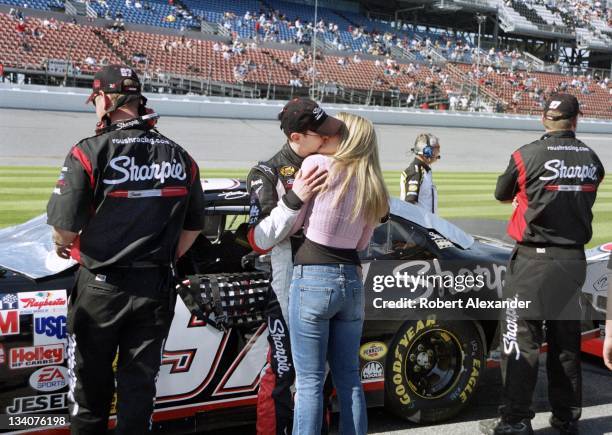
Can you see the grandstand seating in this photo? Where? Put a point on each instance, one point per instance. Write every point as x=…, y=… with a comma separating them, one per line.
x=193, y=57
x=597, y=104
x=68, y=41
x=527, y=12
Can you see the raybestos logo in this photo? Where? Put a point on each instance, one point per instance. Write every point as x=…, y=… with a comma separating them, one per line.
x=42, y=302
x=50, y=378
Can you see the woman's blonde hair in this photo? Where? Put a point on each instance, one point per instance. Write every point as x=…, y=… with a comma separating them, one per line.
x=357, y=159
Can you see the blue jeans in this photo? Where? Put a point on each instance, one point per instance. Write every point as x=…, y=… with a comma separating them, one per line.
x=326, y=311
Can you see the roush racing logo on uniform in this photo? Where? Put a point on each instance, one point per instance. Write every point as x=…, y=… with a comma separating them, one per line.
x=560, y=170
x=130, y=171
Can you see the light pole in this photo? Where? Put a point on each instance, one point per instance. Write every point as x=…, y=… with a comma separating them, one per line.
x=314, y=50
x=481, y=19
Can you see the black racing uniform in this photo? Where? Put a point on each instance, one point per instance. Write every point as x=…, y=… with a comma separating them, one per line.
x=416, y=186
x=129, y=192
x=274, y=209
x=554, y=181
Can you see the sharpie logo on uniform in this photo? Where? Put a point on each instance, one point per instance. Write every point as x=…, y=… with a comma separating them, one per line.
x=560, y=170
x=130, y=171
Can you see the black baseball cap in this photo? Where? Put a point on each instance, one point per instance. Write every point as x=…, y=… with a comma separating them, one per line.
x=115, y=79
x=561, y=106
x=303, y=114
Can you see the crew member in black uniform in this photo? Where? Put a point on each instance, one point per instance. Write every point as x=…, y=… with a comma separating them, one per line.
x=552, y=183
x=416, y=181
x=127, y=204
x=607, y=347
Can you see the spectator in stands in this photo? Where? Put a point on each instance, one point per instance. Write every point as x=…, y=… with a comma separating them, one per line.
x=295, y=82
x=356, y=58
x=21, y=28
x=296, y=58
x=90, y=61
x=410, y=100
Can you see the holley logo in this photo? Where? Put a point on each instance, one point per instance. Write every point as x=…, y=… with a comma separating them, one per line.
x=33, y=356
x=42, y=302
x=50, y=378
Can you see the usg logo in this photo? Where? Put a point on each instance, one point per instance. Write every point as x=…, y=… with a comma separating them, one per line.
x=50, y=378
x=53, y=327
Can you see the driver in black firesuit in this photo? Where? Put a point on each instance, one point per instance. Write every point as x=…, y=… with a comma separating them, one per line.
x=553, y=184
x=127, y=204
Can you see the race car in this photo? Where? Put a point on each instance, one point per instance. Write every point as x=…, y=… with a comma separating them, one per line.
x=423, y=350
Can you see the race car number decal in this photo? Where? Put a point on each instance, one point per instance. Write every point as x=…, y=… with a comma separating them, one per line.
x=192, y=355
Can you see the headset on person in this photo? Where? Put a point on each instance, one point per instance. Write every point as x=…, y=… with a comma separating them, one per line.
x=426, y=151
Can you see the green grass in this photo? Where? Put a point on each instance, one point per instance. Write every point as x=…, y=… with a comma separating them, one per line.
x=24, y=192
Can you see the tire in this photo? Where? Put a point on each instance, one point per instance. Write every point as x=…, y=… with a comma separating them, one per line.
x=433, y=369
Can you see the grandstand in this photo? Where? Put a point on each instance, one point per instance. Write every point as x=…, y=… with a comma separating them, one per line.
x=433, y=57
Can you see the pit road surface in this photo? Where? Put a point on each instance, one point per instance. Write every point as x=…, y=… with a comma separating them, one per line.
x=32, y=138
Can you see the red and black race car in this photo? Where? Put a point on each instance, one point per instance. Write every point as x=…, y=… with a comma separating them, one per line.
x=423, y=362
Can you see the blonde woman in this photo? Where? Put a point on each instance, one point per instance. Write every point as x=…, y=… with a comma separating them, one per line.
x=326, y=302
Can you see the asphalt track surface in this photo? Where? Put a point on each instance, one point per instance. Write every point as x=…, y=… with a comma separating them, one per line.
x=29, y=137
x=35, y=138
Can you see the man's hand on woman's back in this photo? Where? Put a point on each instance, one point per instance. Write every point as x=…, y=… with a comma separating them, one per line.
x=306, y=184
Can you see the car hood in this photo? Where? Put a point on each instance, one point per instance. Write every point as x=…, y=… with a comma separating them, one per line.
x=28, y=249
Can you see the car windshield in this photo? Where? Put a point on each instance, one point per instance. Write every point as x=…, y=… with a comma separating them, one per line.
x=423, y=218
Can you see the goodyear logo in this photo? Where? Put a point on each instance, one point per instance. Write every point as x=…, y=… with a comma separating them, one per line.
x=373, y=350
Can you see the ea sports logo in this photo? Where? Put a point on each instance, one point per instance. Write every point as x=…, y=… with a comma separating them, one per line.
x=50, y=378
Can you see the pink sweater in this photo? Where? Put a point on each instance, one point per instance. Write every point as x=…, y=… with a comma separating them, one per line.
x=332, y=226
